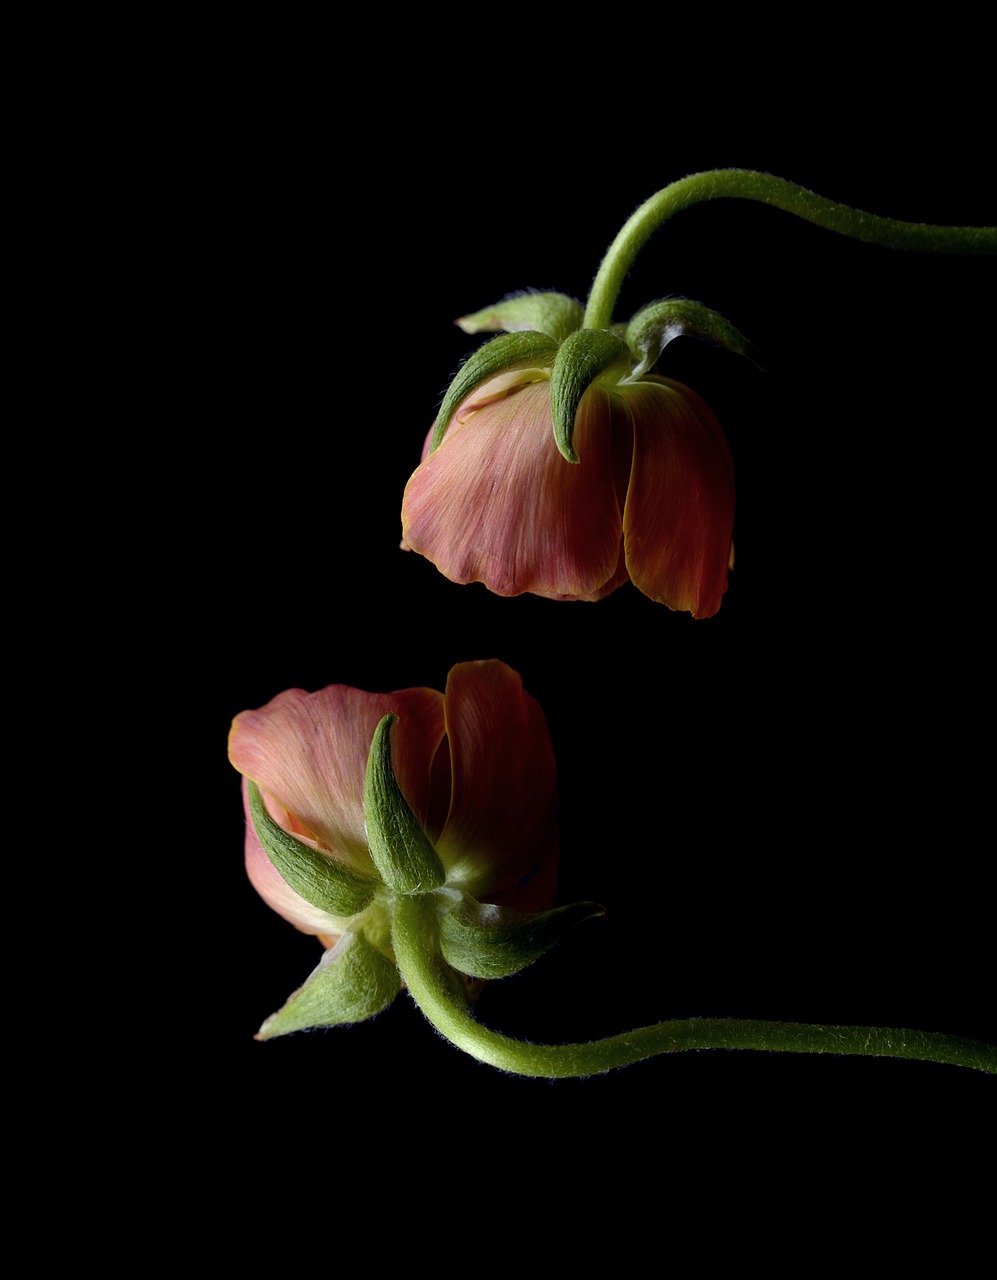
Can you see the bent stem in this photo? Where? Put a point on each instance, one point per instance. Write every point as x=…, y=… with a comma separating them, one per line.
x=415, y=935
x=744, y=184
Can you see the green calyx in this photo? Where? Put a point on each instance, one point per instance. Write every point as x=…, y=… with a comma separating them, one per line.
x=508, y=351
x=576, y=357
x=655, y=325
x=353, y=982
x=486, y=941
x=583, y=358
x=553, y=314
x=325, y=884
x=402, y=852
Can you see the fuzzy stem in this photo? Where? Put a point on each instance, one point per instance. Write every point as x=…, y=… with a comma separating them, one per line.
x=744, y=184
x=415, y=934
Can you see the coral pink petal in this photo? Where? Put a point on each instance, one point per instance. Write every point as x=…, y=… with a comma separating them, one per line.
x=501, y=837
x=496, y=503
x=680, y=505
x=309, y=751
x=622, y=455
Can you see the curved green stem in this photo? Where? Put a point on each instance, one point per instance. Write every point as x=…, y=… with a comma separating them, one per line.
x=415, y=934
x=744, y=184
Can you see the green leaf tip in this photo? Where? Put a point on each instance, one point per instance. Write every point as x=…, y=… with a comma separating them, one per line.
x=401, y=850
x=486, y=941
x=320, y=881
x=554, y=314
x=507, y=351
x=657, y=324
x=352, y=983
x=582, y=358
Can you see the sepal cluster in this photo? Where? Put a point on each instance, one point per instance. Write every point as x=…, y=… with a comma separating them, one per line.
x=358, y=977
x=544, y=331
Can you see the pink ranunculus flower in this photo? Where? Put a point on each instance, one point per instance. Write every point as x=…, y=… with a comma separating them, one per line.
x=651, y=498
x=475, y=764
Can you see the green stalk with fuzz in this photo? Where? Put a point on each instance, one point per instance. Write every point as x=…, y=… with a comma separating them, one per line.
x=416, y=940
x=744, y=184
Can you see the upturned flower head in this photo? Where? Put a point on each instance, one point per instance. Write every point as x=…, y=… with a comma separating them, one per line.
x=561, y=465
x=355, y=798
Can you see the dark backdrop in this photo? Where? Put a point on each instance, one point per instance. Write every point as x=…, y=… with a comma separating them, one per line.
x=783, y=808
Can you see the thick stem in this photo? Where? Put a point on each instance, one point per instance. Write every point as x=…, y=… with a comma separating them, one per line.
x=744, y=184
x=415, y=934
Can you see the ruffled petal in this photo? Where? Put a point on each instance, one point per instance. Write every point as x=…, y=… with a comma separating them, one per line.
x=500, y=842
x=496, y=503
x=679, y=513
x=309, y=752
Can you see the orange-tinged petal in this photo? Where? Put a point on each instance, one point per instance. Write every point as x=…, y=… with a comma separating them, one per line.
x=622, y=455
x=309, y=752
x=617, y=580
x=679, y=513
x=500, y=842
x=496, y=503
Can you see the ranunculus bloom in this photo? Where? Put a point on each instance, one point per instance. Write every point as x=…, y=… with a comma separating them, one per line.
x=475, y=765
x=650, y=499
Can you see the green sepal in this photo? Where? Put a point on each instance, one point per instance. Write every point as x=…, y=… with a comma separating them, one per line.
x=654, y=326
x=352, y=983
x=581, y=358
x=554, y=314
x=320, y=881
x=401, y=850
x=504, y=352
x=486, y=941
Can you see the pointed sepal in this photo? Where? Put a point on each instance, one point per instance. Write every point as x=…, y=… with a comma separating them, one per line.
x=401, y=850
x=504, y=352
x=581, y=358
x=486, y=941
x=554, y=314
x=352, y=983
x=320, y=881
x=654, y=326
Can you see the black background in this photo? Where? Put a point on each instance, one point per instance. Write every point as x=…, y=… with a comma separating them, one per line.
x=783, y=808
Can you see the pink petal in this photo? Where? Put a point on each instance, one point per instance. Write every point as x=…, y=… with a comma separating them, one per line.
x=500, y=841
x=622, y=455
x=680, y=505
x=309, y=752
x=496, y=503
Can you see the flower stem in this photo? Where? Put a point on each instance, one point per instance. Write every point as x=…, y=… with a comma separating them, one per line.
x=744, y=184
x=415, y=934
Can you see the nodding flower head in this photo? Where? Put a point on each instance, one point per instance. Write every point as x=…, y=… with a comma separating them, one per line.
x=566, y=468
x=355, y=800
